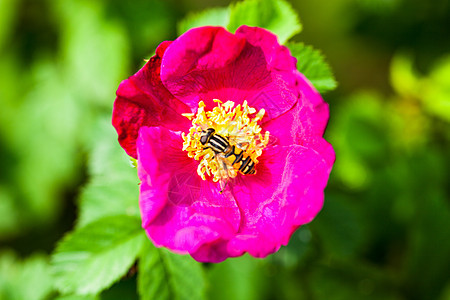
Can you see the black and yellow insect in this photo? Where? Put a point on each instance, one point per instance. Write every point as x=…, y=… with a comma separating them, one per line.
x=234, y=156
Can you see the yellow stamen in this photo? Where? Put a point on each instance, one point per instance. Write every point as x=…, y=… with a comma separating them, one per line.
x=232, y=122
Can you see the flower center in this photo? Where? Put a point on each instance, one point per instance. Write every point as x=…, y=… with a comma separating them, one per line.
x=226, y=140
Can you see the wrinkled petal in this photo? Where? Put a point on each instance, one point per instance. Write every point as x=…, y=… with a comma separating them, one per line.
x=142, y=100
x=286, y=192
x=179, y=209
x=306, y=121
x=209, y=63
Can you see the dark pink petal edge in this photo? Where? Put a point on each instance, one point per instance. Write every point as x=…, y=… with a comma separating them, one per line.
x=142, y=100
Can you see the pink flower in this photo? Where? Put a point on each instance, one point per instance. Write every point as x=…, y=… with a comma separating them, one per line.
x=159, y=114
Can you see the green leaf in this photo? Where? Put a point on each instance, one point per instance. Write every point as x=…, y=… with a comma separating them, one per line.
x=165, y=275
x=276, y=16
x=218, y=16
x=311, y=63
x=29, y=279
x=113, y=188
x=93, y=257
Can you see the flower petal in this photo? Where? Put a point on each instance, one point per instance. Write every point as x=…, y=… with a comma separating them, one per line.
x=286, y=192
x=142, y=100
x=306, y=121
x=209, y=63
x=179, y=210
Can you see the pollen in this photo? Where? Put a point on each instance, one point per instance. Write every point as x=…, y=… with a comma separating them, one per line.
x=238, y=124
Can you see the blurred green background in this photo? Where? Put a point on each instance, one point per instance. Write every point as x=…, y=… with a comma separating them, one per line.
x=384, y=232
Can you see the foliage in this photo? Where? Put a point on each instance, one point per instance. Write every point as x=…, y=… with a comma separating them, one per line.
x=24, y=279
x=382, y=234
x=165, y=275
x=432, y=91
x=276, y=16
x=218, y=16
x=113, y=184
x=93, y=257
x=312, y=64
